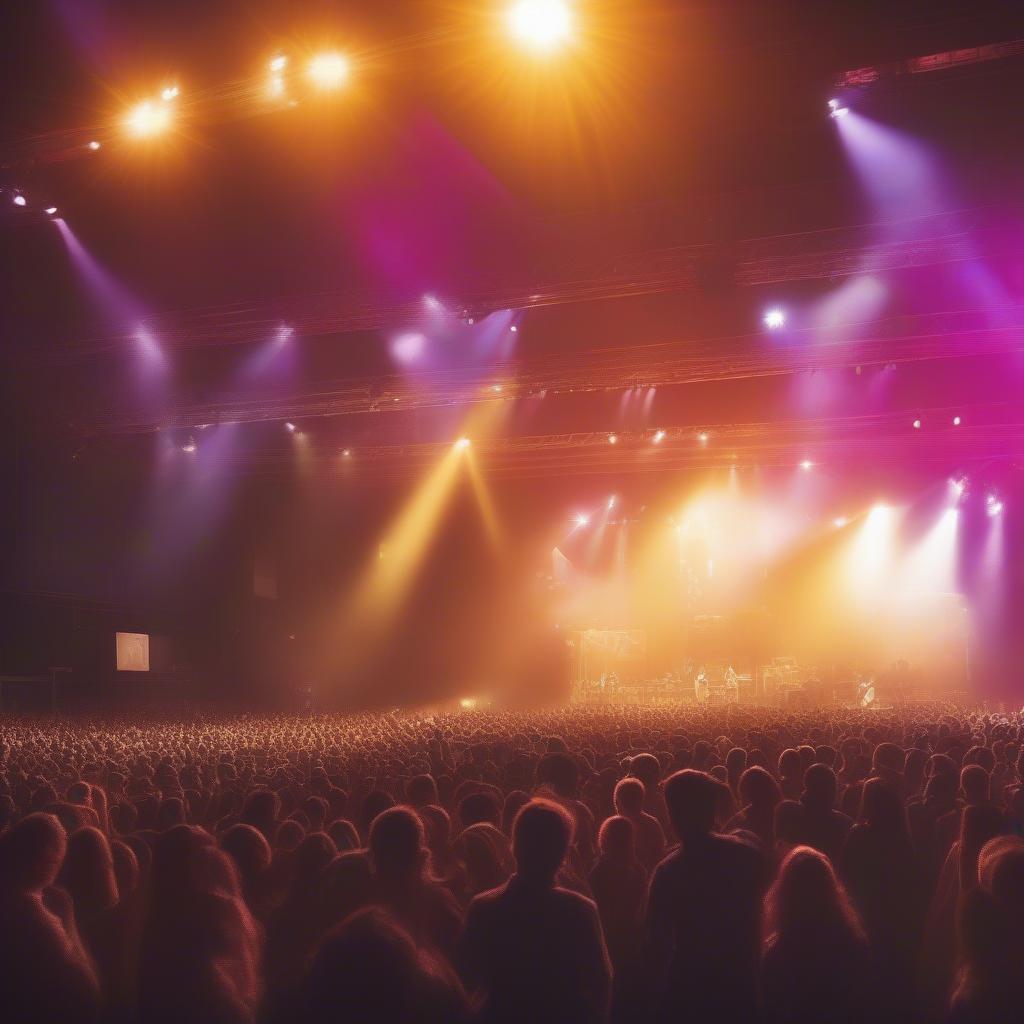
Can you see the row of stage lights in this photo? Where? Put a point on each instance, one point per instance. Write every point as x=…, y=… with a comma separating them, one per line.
x=539, y=26
x=655, y=437
x=993, y=507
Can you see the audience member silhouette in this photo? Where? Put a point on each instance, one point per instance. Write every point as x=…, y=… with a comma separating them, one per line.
x=530, y=950
x=879, y=869
x=200, y=955
x=703, y=926
x=649, y=837
x=45, y=973
x=816, y=964
x=368, y=970
x=403, y=883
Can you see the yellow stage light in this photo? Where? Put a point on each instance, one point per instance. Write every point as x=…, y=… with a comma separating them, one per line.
x=147, y=119
x=463, y=443
x=278, y=63
x=541, y=25
x=467, y=703
x=329, y=70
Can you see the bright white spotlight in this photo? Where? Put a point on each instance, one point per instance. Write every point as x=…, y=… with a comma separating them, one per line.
x=611, y=502
x=189, y=447
x=94, y=145
x=467, y=703
x=702, y=437
x=278, y=63
x=993, y=506
x=806, y=465
x=659, y=436
x=542, y=25
x=346, y=453
x=613, y=438
x=774, y=319
x=514, y=329
x=170, y=93
x=328, y=70
x=839, y=522
x=147, y=119
x=956, y=421
x=290, y=427
x=51, y=210
x=431, y=302
x=20, y=200
x=582, y=519
x=959, y=485
x=835, y=110
x=833, y=104
x=917, y=424
x=496, y=388
x=462, y=444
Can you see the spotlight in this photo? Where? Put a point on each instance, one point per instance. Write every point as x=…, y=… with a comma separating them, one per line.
x=514, y=329
x=20, y=200
x=993, y=506
x=611, y=502
x=290, y=427
x=170, y=93
x=328, y=70
x=581, y=519
x=51, y=210
x=189, y=446
x=94, y=145
x=836, y=110
x=462, y=444
x=278, y=63
x=959, y=485
x=806, y=464
x=917, y=424
x=774, y=319
x=956, y=421
x=346, y=453
x=540, y=24
x=467, y=703
x=496, y=388
x=613, y=438
x=839, y=522
x=146, y=119
x=702, y=437
x=833, y=104
x=431, y=302
x=658, y=437
x=275, y=87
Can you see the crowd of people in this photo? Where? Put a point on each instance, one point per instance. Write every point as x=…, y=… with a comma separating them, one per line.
x=573, y=865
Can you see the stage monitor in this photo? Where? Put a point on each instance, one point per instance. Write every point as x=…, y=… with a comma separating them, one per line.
x=132, y=652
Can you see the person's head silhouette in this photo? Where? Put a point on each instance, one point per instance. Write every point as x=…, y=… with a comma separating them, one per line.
x=692, y=798
x=541, y=836
x=396, y=843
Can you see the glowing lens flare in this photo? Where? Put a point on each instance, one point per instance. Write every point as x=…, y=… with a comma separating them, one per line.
x=658, y=437
x=147, y=119
x=329, y=70
x=774, y=319
x=541, y=25
x=463, y=443
x=582, y=519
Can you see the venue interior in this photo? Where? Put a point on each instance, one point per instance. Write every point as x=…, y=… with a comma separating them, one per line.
x=412, y=390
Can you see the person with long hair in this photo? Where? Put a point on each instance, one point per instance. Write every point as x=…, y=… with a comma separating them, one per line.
x=815, y=964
